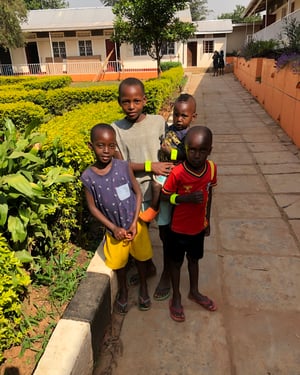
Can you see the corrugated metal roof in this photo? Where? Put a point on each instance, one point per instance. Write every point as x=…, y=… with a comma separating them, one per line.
x=213, y=27
x=78, y=18
x=69, y=19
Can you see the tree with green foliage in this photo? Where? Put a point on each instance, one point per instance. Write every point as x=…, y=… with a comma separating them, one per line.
x=45, y=4
x=12, y=13
x=150, y=24
x=199, y=9
x=236, y=15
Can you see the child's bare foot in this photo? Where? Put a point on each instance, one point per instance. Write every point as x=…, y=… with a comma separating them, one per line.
x=148, y=215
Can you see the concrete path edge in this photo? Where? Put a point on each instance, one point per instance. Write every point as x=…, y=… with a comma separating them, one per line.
x=75, y=342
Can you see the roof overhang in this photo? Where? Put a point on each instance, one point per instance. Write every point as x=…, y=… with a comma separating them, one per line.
x=68, y=19
x=213, y=27
x=255, y=6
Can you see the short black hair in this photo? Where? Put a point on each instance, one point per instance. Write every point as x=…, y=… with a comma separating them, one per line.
x=198, y=129
x=186, y=98
x=100, y=126
x=131, y=81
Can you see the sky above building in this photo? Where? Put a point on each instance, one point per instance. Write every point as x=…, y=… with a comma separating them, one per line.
x=217, y=6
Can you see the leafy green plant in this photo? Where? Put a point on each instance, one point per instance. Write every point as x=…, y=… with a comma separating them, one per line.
x=25, y=205
x=260, y=48
x=21, y=114
x=290, y=36
x=13, y=285
x=169, y=65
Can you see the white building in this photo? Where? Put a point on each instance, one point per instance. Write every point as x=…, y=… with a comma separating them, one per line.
x=78, y=40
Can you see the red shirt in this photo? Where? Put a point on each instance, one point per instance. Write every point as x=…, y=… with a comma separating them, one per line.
x=190, y=218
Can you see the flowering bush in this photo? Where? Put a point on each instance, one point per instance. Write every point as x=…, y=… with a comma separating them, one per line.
x=289, y=59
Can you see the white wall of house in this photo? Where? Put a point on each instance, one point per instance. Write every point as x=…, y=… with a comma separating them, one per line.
x=240, y=35
x=204, y=59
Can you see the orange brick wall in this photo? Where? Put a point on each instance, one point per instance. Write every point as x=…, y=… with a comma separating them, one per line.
x=277, y=91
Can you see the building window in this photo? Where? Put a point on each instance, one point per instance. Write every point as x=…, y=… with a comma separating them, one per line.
x=283, y=12
x=168, y=48
x=138, y=50
x=208, y=46
x=249, y=38
x=59, y=49
x=85, y=48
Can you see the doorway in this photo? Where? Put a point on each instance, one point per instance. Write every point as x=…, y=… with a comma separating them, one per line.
x=5, y=62
x=32, y=57
x=192, y=54
x=112, y=64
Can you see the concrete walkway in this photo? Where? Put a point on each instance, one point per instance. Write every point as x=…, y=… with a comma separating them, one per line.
x=251, y=266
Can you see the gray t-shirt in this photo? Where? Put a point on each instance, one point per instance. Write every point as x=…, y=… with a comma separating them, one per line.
x=140, y=141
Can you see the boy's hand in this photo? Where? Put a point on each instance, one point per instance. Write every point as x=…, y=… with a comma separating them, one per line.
x=195, y=197
x=161, y=168
x=166, y=148
x=131, y=233
x=119, y=233
x=207, y=231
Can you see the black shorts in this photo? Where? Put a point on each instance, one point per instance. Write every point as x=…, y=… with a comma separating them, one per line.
x=181, y=244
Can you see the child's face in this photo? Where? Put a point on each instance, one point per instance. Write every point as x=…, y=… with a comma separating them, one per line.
x=197, y=150
x=104, y=146
x=183, y=114
x=132, y=101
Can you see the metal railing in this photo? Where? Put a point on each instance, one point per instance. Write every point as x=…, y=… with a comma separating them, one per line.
x=67, y=67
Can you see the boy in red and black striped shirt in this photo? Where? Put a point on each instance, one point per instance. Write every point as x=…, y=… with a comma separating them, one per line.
x=189, y=189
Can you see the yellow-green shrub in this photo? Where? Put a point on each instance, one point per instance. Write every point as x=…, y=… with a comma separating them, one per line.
x=13, y=284
x=21, y=114
x=14, y=95
x=72, y=130
x=48, y=83
x=62, y=100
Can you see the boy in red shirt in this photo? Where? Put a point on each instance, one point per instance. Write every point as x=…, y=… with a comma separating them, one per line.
x=189, y=189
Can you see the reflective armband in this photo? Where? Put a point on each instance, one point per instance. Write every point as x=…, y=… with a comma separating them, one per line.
x=148, y=166
x=174, y=154
x=173, y=198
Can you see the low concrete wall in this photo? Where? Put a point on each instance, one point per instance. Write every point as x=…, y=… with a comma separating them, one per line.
x=75, y=343
x=278, y=91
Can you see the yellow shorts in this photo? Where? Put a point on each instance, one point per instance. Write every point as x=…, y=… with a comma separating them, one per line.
x=117, y=252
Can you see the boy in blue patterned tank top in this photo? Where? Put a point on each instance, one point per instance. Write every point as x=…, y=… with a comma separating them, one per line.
x=114, y=198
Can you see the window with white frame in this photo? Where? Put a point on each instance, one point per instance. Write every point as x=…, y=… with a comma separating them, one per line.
x=138, y=50
x=85, y=48
x=208, y=46
x=59, y=49
x=168, y=48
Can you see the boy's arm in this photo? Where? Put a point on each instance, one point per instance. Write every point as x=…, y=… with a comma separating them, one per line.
x=156, y=167
x=119, y=233
x=208, y=209
x=136, y=188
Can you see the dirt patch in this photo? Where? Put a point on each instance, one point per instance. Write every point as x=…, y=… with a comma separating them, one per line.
x=42, y=317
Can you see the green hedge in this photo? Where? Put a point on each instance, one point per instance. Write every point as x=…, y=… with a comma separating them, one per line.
x=21, y=114
x=43, y=83
x=158, y=91
x=62, y=100
x=12, y=80
x=48, y=83
x=72, y=130
x=16, y=95
x=13, y=285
